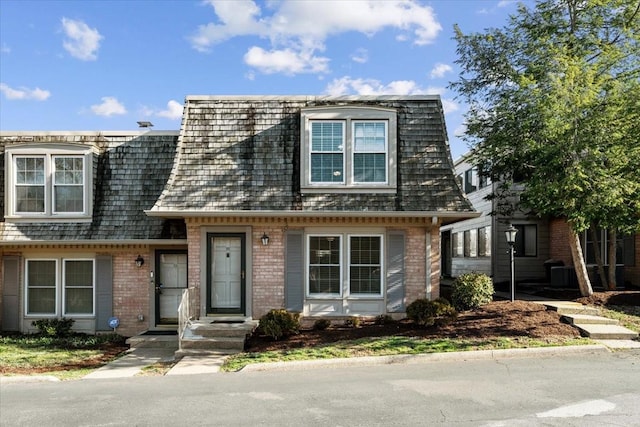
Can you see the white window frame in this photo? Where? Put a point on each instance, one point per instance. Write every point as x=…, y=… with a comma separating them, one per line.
x=345, y=264
x=349, y=264
x=27, y=287
x=342, y=152
x=64, y=287
x=60, y=289
x=48, y=152
x=354, y=152
x=349, y=116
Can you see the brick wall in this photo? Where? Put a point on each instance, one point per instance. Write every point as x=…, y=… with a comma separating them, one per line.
x=559, y=241
x=414, y=264
x=435, y=262
x=131, y=292
x=632, y=274
x=193, y=260
x=268, y=270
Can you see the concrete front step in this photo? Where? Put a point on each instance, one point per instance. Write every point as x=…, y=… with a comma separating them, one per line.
x=213, y=344
x=575, y=319
x=153, y=341
x=203, y=353
x=607, y=332
x=570, y=307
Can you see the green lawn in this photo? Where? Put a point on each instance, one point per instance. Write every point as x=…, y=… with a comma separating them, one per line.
x=66, y=358
x=386, y=346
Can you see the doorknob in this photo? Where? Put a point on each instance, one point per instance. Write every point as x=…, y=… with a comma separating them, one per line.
x=242, y=274
x=159, y=288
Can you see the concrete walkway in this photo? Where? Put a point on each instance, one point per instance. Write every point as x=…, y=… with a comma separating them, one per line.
x=132, y=363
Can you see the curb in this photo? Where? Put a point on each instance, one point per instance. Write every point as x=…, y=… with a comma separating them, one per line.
x=28, y=379
x=424, y=358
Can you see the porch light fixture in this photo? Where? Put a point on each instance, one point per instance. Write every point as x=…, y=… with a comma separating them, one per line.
x=139, y=261
x=265, y=239
x=510, y=234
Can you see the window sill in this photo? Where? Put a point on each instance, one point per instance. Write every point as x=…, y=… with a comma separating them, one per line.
x=348, y=189
x=47, y=219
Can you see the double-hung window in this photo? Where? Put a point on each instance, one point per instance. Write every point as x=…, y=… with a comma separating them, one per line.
x=345, y=265
x=55, y=286
x=348, y=149
x=327, y=151
x=49, y=183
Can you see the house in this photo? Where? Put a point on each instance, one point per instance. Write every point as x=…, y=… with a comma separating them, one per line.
x=329, y=206
x=541, y=245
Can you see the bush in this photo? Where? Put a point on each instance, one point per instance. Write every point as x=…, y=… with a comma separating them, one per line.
x=384, y=319
x=321, y=324
x=352, y=322
x=279, y=323
x=54, y=327
x=471, y=290
x=427, y=313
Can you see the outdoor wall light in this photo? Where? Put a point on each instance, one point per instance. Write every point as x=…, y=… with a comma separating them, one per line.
x=265, y=239
x=139, y=261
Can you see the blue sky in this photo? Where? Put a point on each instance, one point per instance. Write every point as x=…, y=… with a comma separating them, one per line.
x=104, y=65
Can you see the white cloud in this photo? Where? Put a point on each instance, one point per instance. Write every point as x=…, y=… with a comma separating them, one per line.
x=286, y=61
x=505, y=3
x=173, y=111
x=349, y=86
x=82, y=42
x=439, y=70
x=360, y=56
x=110, y=107
x=5, y=48
x=346, y=86
x=23, y=93
x=297, y=29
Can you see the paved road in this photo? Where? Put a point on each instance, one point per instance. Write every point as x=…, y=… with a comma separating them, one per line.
x=597, y=389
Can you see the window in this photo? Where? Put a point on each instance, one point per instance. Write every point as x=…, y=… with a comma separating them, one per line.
x=51, y=290
x=364, y=265
x=484, y=241
x=361, y=254
x=327, y=152
x=348, y=149
x=625, y=248
x=469, y=181
x=49, y=183
x=458, y=248
x=526, y=240
x=471, y=243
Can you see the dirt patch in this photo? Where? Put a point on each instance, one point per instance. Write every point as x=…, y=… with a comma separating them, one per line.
x=496, y=319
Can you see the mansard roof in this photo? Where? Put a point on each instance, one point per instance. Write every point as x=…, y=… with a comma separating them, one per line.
x=242, y=154
x=130, y=170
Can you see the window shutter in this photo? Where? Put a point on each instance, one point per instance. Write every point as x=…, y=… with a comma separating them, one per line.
x=104, y=292
x=294, y=271
x=11, y=293
x=395, y=272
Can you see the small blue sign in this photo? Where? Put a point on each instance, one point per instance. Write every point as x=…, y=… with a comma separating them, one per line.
x=114, y=322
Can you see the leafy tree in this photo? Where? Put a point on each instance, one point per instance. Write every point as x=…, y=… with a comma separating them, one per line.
x=554, y=100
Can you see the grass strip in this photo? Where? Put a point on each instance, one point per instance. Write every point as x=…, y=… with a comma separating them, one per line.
x=386, y=346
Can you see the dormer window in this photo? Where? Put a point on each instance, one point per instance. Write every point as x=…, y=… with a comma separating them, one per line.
x=49, y=182
x=347, y=148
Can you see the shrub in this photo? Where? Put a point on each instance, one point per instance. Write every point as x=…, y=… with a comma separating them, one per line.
x=427, y=313
x=471, y=290
x=279, y=323
x=54, y=327
x=353, y=321
x=385, y=319
x=321, y=324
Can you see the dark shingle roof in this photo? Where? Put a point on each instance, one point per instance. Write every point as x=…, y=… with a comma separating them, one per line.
x=243, y=153
x=130, y=172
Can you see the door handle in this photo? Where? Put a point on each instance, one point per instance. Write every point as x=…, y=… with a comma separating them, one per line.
x=159, y=288
x=242, y=274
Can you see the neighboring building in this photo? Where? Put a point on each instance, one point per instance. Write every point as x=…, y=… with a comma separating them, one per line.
x=479, y=244
x=330, y=206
